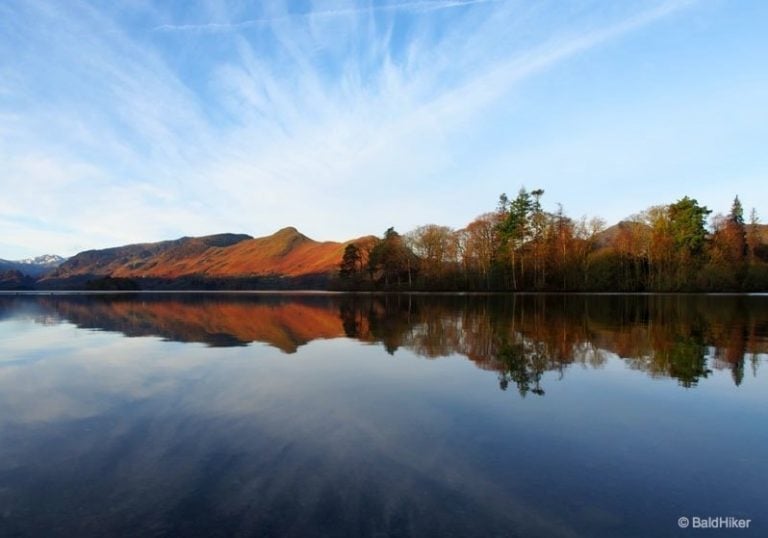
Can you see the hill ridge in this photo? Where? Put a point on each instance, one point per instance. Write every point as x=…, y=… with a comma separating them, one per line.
x=286, y=253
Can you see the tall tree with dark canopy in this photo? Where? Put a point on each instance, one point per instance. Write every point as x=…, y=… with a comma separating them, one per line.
x=687, y=220
x=351, y=262
x=393, y=259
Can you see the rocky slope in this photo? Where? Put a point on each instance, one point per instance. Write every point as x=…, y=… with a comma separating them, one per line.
x=286, y=256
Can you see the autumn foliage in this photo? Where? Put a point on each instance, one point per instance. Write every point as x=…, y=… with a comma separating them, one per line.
x=520, y=247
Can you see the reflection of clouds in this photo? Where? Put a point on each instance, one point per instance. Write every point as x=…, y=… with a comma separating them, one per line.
x=147, y=424
x=520, y=340
x=25, y=342
x=162, y=434
x=61, y=372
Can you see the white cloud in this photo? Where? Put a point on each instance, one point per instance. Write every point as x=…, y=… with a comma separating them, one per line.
x=419, y=6
x=339, y=125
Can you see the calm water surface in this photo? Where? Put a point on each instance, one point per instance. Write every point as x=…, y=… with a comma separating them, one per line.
x=334, y=415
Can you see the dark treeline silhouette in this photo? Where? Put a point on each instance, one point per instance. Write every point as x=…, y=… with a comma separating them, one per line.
x=520, y=337
x=521, y=247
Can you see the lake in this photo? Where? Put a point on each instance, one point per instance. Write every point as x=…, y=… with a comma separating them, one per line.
x=382, y=415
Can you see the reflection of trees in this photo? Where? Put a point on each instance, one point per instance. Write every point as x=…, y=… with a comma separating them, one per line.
x=389, y=319
x=684, y=358
x=520, y=337
x=522, y=367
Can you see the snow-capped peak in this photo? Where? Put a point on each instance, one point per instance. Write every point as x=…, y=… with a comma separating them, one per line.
x=51, y=260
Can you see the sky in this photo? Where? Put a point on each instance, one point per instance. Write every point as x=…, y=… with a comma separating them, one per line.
x=136, y=121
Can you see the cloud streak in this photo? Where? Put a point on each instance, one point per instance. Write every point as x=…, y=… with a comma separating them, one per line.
x=334, y=121
x=498, y=79
x=424, y=6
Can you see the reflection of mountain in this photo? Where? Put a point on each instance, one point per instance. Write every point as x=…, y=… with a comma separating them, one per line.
x=519, y=337
x=280, y=321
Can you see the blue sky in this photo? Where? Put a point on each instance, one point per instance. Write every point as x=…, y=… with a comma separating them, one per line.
x=136, y=121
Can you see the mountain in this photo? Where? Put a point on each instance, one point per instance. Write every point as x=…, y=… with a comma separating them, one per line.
x=47, y=260
x=619, y=232
x=15, y=280
x=623, y=230
x=34, y=267
x=285, y=259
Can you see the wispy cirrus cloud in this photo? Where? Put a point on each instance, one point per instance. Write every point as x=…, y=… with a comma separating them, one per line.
x=339, y=120
x=420, y=6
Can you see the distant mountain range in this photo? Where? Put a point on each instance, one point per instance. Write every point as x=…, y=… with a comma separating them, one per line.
x=33, y=267
x=285, y=259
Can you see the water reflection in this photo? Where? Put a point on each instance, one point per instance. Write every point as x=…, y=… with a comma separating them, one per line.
x=102, y=434
x=518, y=337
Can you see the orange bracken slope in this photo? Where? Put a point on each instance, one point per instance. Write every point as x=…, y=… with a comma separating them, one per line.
x=287, y=253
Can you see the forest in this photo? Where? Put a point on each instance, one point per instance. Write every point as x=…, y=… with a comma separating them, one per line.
x=678, y=247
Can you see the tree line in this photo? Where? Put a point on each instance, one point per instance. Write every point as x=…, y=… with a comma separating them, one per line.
x=521, y=337
x=519, y=246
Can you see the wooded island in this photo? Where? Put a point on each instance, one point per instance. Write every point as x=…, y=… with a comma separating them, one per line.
x=520, y=247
